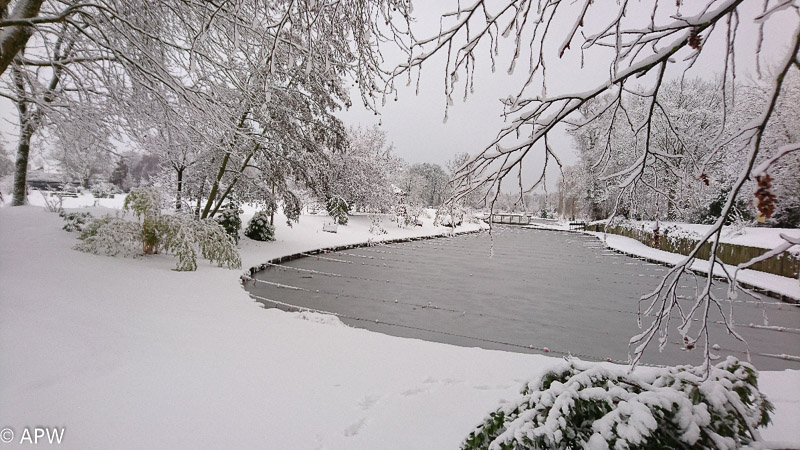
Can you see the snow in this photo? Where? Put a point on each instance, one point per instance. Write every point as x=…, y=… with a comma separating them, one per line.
x=126, y=352
x=789, y=287
x=759, y=237
x=754, y=237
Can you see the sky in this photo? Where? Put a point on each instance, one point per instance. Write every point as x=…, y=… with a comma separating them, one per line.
x=414, y=123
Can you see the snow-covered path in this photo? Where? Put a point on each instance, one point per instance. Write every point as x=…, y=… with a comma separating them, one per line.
x=127, y=353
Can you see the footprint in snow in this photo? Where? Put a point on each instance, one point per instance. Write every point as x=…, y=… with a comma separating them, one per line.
x=485, y=387
x=353, y=429
x=412, y=391
x=368, y=402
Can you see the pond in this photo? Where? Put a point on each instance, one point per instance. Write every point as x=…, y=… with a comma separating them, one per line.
x=520, y=290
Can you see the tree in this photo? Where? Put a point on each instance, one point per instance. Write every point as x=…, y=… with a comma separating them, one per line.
x=82, y=147
x=630, y=51
x=430, y=181
x=14, y=28
x=362, y=172
x=679, y=178
x=214, y=64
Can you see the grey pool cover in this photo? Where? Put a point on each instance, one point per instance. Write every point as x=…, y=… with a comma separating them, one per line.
x=538, y=291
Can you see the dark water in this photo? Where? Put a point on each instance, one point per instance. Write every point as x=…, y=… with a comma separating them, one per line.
x=540, y=289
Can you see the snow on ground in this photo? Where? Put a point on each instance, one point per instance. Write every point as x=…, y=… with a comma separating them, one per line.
x=127, y=353
x=759, y=237
x=789, y=287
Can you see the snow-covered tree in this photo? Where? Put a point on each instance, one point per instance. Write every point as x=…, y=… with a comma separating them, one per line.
x=82, y=147
x=425, y=183
x=215, y=64
x=362, y=172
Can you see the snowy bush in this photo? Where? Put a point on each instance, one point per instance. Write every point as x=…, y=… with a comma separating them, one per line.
x=146, y=205
x=259, y=228
x=338, y=209
x=230, y=220
x=182, y=236
x=408, y=215
x=76, y=221
x=113, y=236
x=105, y=190
x=376, y=225
x=445, y=217
x=185, y=237
x=584, y=405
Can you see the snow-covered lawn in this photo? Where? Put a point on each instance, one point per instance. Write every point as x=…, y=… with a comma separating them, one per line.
x=127, y=353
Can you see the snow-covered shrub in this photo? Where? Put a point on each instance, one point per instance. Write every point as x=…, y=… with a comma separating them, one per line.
x=585, y=405
x=338, y=209
x=76, y=221
x=259, y=228
x=113, y=236
x=185, y=237
x=446, y=217
x=180, y=235
x=146, y=205
x=709, y=213
x=408, y=215
x=230, y=220
x=105, y=190
x=376, y=225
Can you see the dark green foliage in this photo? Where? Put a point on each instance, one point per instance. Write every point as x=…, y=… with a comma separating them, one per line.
x=788, y=217
x=259, y=228
x=579, y=404
x=711, y=214
x=230, y=220
x=76, y=221
x=119, y=175
x=338, y=210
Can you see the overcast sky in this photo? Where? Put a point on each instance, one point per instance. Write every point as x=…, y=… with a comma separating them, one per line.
x=414, y=122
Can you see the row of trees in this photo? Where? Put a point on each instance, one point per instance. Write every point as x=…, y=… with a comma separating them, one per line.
x=235, y=98
x=234, y=101
x=690, y=168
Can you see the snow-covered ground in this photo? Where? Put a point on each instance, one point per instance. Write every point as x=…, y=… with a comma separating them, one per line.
x=127, y=353
x=759, y=237
x=789, y=287
x=754, y=237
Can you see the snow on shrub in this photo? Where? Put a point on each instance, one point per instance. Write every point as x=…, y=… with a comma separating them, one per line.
x=259, y=228
x=105, y=190
x=376, y=225
x=76, y=221
x=338, y=210
x=113, y=236
x=586, y=405
x=182, y=236
x=230, y=220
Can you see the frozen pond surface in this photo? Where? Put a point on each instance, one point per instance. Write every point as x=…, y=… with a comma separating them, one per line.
x=541, y=289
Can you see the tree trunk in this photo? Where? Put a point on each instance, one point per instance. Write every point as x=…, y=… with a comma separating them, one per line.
x=272, y=211
x=14, y=38
x=215, y=187
x=178, y=198
x=21, y=166
x=24, y=144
